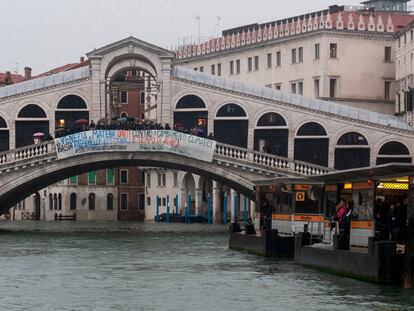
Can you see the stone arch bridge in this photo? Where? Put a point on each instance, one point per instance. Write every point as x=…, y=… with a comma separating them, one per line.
x=27, y=170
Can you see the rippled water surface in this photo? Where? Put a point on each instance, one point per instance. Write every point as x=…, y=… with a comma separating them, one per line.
x=157, y=270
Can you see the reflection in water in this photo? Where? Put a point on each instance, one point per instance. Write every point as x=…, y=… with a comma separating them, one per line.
x=161, y=270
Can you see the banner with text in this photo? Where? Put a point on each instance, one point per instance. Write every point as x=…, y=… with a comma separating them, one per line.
x=145, y=141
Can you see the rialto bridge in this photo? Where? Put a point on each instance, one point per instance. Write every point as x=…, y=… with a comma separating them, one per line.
x=274, y=124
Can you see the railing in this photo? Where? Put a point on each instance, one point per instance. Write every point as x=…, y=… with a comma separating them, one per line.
x=269, y=160
x=27, y=152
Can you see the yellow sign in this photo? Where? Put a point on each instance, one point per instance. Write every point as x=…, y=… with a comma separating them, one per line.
x=300, y=196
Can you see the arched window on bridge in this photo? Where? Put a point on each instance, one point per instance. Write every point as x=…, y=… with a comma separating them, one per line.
x=231, y=125
x=312, y=144
x=271, y=134
x=393, y=152
x=352, y=151
x=110, y=202
x=4, y=135
x=73, y=201
x=91, y=201
x=31, y=119
x=191, y=112
x=55, y=203
x=50, y=201
x=69, y=109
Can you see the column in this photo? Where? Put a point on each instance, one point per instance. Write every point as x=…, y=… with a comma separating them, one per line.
x=182, y=201
x=233, y=194
x=216, y=203
x=198, y=200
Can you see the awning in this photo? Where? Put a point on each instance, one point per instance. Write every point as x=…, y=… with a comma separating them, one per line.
x=391, y=170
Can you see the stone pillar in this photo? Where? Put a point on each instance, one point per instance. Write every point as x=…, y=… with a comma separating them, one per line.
x=98, y=87
x=291, y=143
x=233, y=193
x=216, y=203
x=198, y=200
x=164, y=111
x=182, y=201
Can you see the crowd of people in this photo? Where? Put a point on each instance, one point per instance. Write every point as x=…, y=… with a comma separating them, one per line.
x=390, y=219
x=128, y=124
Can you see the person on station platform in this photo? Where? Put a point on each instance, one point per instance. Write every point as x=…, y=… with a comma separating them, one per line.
x=250, y=227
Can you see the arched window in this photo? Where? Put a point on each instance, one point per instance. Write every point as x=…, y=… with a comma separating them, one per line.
x=91, y=201
x=26, y=128
x=231, y=125
x=124, y=115
x=352, y=151
x=190, y=102
x=393, y=152
x=69, y=109
x=4, y=136
x=231, y=110
x=191, y=113
x=60, y=201
x=72, y=102
x=352, y=138
x=312, y=144
x=32, y=111
x=311, y=129
x=73, y=201
x=110, y=202
x=271, y=135
x=271, y=119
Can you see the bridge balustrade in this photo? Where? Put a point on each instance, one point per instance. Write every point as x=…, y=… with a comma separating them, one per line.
x=269, y=161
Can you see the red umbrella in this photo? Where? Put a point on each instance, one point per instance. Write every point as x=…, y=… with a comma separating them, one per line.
x=81, y=122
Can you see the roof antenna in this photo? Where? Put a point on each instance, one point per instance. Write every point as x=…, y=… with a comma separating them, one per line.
x=198, y=18
x=217, y=25
x=16, y=68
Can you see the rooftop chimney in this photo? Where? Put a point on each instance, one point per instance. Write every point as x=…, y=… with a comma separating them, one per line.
x=82, y=59
x=8, y=79
x=27, y=73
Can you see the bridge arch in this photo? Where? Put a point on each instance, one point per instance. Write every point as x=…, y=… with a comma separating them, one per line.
x=191, y=111
x=271, y=134
x=352, y=151
x=31, y=179
x=70, y=108
x=31, y=118
x=4, y=135
x=312, y=144
x=393, y=151
x=231, y=124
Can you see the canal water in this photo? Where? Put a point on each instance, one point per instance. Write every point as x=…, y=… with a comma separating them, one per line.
x=149, y=267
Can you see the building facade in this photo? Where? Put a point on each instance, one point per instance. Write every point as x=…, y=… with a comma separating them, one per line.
x=328, y=54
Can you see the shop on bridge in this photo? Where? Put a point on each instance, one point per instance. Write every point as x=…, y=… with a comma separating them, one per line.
x=231, y=125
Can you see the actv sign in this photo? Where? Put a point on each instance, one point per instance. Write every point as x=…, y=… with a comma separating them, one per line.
x=135, y=141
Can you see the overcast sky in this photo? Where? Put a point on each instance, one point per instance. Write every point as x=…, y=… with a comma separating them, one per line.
x=44, y=34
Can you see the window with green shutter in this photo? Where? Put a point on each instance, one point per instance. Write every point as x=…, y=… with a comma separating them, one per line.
x=110, y=176
x=73, y=180
x=92, y=178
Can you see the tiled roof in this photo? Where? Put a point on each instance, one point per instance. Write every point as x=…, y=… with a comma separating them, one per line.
x=293, y=99
x=64, y=68
x=16, y=78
